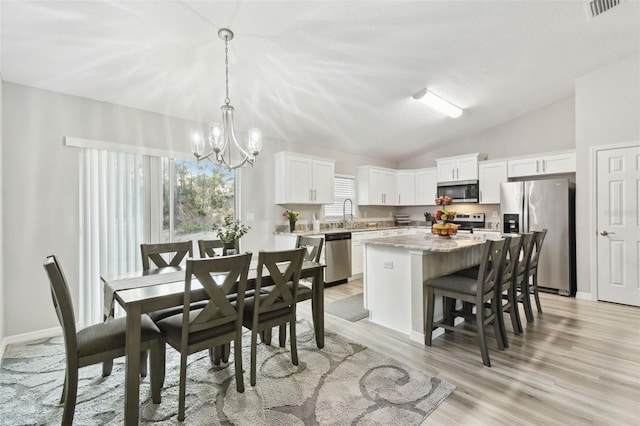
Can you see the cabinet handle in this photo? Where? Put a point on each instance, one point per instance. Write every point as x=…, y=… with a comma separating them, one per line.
x=544, y=165
x=311, y=195
x=537, y=166
x=457, y=173
x=481, y=195
x=315, y=195
x=453, y=174
x=399, y=199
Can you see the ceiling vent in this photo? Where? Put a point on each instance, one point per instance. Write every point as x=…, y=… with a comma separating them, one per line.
x=598, y=7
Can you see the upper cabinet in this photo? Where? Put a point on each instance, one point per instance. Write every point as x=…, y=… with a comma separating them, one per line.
x=405, y=188
x=543, y=165
x=491, y=175
x=376, y=186
x=426, y=187
x=303, y=179
x=459, y=168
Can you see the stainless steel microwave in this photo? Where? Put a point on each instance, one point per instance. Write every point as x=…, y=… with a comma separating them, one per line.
x=462, y=191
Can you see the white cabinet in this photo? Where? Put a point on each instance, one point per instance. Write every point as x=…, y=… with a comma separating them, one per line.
x=543, y=165
x=405, y=188
x=426, y=187
x=356, y=249
x=459, y=168
x=491, y=175
x=302, y=179
x=285, y=241
x=376, y=186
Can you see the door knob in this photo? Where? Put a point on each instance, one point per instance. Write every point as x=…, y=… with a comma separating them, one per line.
x=605, y=233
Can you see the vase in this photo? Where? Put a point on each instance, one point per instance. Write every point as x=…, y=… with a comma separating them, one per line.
x=292, y=225
x=229, y=246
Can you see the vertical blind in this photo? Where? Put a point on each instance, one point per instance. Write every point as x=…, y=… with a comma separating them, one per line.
x=112, y=222
x=343, y=188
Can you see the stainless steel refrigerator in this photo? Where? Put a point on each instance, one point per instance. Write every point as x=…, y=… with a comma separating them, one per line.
x=545, y=204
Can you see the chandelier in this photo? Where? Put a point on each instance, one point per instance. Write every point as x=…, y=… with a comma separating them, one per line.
x=225, y=148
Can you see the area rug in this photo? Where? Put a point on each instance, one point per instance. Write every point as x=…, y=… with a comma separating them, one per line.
x=350, y=308
x=342, y=384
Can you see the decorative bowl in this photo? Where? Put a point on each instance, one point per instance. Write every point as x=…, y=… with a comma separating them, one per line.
x=445, y=233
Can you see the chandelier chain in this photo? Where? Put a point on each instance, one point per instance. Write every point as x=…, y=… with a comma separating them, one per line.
x=226, y=66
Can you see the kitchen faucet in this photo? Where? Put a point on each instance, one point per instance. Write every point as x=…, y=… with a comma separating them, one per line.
x=344, y=211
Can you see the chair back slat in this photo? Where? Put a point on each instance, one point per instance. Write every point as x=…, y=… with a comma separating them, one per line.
x=509, y=271
x=525, y=256
x=312, y=246
x=538, y=239
x=491, y=265
x=219, y=277
x=207, y=247
x=281, y=295
x=154, y=253
x=62, y=302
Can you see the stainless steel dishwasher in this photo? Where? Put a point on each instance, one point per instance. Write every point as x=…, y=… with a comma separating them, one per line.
x=337, y=257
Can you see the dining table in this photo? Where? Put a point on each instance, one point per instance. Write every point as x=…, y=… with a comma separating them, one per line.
x=142, y=292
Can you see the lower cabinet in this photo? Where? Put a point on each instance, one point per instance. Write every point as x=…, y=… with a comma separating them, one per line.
x=357, y=264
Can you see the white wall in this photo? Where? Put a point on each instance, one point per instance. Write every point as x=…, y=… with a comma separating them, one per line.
x=41, y=214
x=607, y=112
x=550, y=128
x=2, y=296
x=40, y=195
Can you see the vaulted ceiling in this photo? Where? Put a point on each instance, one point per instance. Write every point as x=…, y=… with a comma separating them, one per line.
x=330, y=73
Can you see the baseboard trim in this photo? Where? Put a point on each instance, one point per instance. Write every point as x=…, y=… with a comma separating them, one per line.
x=28, y=337
x=585, y=296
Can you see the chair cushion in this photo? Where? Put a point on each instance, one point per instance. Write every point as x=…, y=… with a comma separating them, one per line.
x=304, y=290
x=249, y=308
x=171, y=329
x=110, y=335
x=174, y=310
x=455, y=283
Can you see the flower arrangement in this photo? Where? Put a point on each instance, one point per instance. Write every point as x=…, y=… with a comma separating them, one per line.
x=291, y=214
x=442, y=216
x=231, y=230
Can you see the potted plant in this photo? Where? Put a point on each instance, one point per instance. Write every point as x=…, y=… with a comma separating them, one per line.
x=230, y=232
x=292, y=216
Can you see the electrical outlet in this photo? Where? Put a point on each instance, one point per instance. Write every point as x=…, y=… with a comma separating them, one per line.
x=494, y=213
x=250, y=217
x=387, y=265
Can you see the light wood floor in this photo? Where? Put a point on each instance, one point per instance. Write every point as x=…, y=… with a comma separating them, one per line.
x=577, y=363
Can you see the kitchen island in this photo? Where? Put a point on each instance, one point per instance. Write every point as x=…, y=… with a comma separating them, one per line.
x=396, y=272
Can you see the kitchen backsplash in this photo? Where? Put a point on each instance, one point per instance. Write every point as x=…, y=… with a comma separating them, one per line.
x=352, y=224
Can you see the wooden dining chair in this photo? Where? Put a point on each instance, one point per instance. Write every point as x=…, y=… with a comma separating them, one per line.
x=98, y=343
x=480, y=291
x=207, y=248
x=508, y=288
x=263, y=311
x=538, y=239
x=217, y=323
x=522, y=279
x=313, y=251
x=154, y=252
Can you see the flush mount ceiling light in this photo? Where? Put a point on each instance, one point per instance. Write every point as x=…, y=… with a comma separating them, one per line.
x=436, y=102
x=225, y=148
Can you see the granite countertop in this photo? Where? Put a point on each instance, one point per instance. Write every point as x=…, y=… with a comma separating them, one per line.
x=428, y=242
x=332, y=231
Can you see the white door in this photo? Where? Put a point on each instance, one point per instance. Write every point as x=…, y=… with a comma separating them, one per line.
x=323, y=181
x=618, y=194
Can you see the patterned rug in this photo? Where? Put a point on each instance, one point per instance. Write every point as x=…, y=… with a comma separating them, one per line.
x=342, y=384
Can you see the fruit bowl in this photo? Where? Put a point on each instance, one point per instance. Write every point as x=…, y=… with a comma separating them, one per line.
x=444, y=232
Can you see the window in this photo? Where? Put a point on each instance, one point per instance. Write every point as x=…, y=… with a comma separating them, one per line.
x=343, y=188
x=195, y=196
